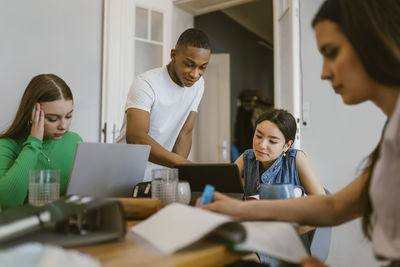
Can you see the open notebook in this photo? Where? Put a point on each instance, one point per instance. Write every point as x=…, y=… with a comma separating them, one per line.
x=177, y=226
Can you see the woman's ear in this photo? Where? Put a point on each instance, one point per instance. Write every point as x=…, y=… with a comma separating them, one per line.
x=287, y=145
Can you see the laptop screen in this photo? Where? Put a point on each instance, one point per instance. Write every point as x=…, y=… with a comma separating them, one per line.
x=107, y=170
x=225, y=177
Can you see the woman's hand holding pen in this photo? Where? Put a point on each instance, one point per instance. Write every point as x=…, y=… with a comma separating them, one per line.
x=224, y=204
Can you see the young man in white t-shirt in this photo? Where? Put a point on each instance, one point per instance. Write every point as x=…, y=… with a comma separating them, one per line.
x=162, y=103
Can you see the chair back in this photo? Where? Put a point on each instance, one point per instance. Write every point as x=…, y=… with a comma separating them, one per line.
x=321, y=241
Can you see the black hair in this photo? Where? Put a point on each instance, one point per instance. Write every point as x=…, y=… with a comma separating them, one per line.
x=283, y=119
x=193, y=37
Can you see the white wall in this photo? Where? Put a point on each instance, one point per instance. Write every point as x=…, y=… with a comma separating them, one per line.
x=339, y=138
x=181, y=20
x=63, y=37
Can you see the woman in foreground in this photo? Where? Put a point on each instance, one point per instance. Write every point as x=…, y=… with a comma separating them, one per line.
x=359, y=41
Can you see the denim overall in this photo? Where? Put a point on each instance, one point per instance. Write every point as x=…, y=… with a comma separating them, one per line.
x=282, y=171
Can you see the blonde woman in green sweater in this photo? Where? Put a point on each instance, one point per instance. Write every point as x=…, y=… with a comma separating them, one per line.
x=38, y=138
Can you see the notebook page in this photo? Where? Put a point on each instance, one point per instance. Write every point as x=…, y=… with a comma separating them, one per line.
x=177, y=226
x=277, y=239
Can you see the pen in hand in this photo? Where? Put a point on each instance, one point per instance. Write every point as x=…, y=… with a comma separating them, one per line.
x=207, y=195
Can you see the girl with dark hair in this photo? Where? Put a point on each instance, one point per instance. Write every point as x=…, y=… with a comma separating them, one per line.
x=359, y=41
x=272, y=159
x=38, y=138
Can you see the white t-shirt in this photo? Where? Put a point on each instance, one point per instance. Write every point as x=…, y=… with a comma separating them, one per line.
x=169, y=106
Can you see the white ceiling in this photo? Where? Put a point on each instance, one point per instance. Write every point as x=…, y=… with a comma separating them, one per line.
x=254, y=15
x=199, y=7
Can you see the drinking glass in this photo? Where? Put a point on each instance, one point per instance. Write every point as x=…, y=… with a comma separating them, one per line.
x=164, y=185
x=184, y=193
x=44, y=186
x=156, y=185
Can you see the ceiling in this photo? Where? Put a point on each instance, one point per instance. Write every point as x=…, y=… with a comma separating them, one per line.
x=254, y=15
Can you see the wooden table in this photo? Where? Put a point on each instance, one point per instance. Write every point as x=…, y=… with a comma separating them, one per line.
x=126, y=253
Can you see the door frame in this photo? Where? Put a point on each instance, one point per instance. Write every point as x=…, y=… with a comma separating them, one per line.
x=118, y=53
x=289, y=8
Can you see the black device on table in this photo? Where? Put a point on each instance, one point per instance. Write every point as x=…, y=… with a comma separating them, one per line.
x=225, y=177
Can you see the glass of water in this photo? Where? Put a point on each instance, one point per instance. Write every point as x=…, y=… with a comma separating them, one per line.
x=44, y=186
x=164, y=185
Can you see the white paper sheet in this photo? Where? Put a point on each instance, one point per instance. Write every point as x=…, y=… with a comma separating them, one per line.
x=177, y=226
x=277, y=239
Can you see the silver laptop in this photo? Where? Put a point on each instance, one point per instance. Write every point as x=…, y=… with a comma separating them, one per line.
x=107, y=170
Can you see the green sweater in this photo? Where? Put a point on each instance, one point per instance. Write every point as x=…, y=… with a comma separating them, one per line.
x=18, y=157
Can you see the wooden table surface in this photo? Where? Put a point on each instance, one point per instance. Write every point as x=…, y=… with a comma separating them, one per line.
x=126, y=253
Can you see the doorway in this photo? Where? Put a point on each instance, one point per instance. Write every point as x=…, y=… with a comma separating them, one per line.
x=245, y=32
x=280, y=20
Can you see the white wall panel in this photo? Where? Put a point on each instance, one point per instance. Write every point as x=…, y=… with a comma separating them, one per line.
x=63, y=37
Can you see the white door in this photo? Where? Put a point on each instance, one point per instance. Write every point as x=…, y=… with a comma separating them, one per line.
x=287, y=59
x=137, y=37
x=211, y=140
